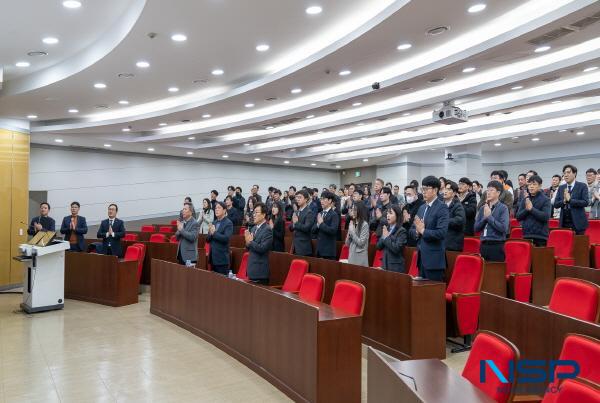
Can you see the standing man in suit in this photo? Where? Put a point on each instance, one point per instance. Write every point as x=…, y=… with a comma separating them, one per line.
x=572, y=198
x=302, y=224
x=111, y=231
x=259, y=242
x=326, y=227
x=429, y=229
x=219, y=233
x=232, y=213
x=74, y=227
x=187, y=235
x=43, y=222
x=494, y=222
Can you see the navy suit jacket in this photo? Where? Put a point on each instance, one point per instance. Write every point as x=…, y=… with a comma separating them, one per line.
x=302, y=231
x=577, y=204
x=114, y=241
x=80, y=230
x=259, y=248
x=219, y=243
x=327, y=234
x=432, y=244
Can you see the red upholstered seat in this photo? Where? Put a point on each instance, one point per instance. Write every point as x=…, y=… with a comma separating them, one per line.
x=516, y=233
x=593, y=232
x=373, y=238
x=242, y=274
x=132, y=253
x=472, y=245
x=462, y=293
x=585, y=350
x=596, y=255
x=293, y=280
x=142, y=248
x=173, y=239
x=553, y=223
x=173, y=222
x=575, y=297
x=130, y=237
x=165, y=229
x=576, y=391
x=147, y=228
x=378, y=259
x=207, y=248
x=413, y=270
x=491, y=346
x=158, y=238
x=518, y=269
x=349, y=296
x=345, y=253
x=312, y=287
x=514, y=222
x=242, y=231
x=563, y=242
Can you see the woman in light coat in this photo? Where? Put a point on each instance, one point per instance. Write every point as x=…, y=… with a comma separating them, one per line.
x=358, y=235
x=207, y=216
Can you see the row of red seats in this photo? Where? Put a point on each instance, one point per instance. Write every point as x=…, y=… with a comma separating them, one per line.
x=158, y=238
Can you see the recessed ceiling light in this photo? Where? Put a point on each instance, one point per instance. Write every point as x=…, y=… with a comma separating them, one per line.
x=256, y=159
x=364, y=138
x=206, y=116
x=313, y=10
x=31, y=116
x=558, y=101
x=437, y=30
x=246, y=144
x=249, y=105
x=286, y=162
x=562, y=131
x=71, y=4
x=192, y=138
x=173, y=89
x=296, y=91
x=535, y=139
x=345, y=73
x=50, y=40
x=580, y=133
x=36, y=53
x=100, y=85
x=150, y=149
x=225, y=156
x=162, y=124
x=217, y=72
x=107, y=145
x=22, y=64
x=542, y=49
x=365, y=160
x=515, y=138
x=587, y=70
x=406, y=114
x=126, y=129
x=360, y=124
x=312, y=164
x=269, y=127
x=58, y=140
x=123, y=102
x=404, y=46
x=475, y=8
x=357, y=104
x=263, y=47
x=310, y=116
x=142, y=64
x=468, y=69
x=517, y=87
x=73, y=110
x=178, y=37
x=497, y=144
x=190, y=153
x=338, y=166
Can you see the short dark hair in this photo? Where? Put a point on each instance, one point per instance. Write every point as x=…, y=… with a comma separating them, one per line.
x=223, y=206
x=476, y=182
x=231, y=188
x=114, y=204
x=415, y=184
x=466, y=181
x=263, y=207
x=504, y=174
x=303, y=193
x=75, y=203
x=453, y=185
x=535, y=178
x=215, y=192
x=292, y=187
x=499, y=173
x=360, y=192
x=271, y=188
x=188, y=199
x=379, y=180
x=328, y=195
x=410, y=187
x=496, y=185
x=386, y=190
x=432, y=182
x=46, y=203
x=557, y=176
x=258, y=187
x=333, y=185
x=397, y=186
x=238, y=188
x=573, y=168
x=591, y=170
x=523, y=175
x=389, y=184
x=228, y=197
x=190, y=205
x=277, y=191
x=532, y=171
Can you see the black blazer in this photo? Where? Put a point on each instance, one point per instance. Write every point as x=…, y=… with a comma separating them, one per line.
x=47, y=224
x=114, y=241
x=259, y=248
x=234, y=216
x=278, y=235
x=432, y=245
x=327, y=234
x=577, y=204
x=302, y=232
x=469, y=204
x=455, y=238
x=393, y=250
x=219, y=243
x=80, y=230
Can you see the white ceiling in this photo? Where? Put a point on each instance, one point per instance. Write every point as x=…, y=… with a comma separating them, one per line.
x=102, y=39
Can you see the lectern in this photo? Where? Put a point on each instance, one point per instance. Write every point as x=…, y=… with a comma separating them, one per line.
x=44, y=279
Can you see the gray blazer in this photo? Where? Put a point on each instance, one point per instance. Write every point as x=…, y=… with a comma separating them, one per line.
x=359, y=245
x=188, y=240
x=259, y=248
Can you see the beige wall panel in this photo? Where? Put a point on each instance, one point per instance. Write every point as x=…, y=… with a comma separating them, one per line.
x=5, y=204
x=20, y=200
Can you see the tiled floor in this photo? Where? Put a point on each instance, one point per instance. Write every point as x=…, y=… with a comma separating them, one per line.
x=93, y=353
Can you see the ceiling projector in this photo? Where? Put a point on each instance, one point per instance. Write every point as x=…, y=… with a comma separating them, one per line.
x=450, y=114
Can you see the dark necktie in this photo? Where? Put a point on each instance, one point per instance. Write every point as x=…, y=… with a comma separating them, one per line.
x=570, y=187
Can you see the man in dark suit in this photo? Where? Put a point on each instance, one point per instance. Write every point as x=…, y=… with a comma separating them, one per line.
x=187, y=235
x=219, y=233
x=429, y=228
x=111, y=231
x=326, y=227
x=302, y=224
x=259, y=242
x=43, y=222
x=572, y=198
x=232, y=213
x=74, y=227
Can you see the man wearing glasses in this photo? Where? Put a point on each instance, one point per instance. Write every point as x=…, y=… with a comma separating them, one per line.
x=493, y=219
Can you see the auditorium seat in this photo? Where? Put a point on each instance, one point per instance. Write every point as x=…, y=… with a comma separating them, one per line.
x=130, y=237
x=293, y=280
x=344, y=253
x=563, y=242
x=576, y=298
x=142, y=248
x=373, y=238
x=518, y=269
x=553, y=223
x=207, y=248
x=471, y=245
x=173, y=222
x=173, y=239
x=584, y=350
x=462, y=298
x=132, y=253
x=514, y=223
x=165, y=229
x=242, y=231
x=312, y=287
x=242, y=273
x=378, y=259
x=491, y=346
x=413, y=270
x=576, y=391
x=349, y=296
x=593, y=233
x=147, y=228
x=516, y=233
x=158, y=238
